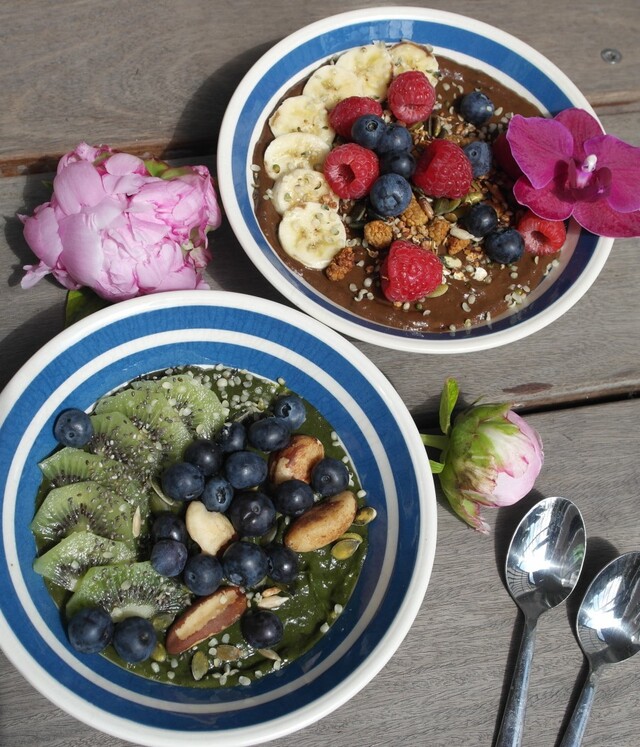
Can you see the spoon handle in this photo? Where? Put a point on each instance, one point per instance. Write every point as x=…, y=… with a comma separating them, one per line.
x=512, y=726
x=578, y=723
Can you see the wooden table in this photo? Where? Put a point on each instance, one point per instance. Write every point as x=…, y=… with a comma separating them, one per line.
x=151, y=77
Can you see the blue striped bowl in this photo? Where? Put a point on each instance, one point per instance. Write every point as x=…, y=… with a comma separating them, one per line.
x=135, y=337
x=460, y=38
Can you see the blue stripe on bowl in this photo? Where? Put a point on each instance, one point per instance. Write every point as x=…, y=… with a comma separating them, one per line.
x=114, y=374
x=461, y=40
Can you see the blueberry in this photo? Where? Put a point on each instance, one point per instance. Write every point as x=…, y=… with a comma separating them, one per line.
x=480, y=156
x=168, y=557
x=90, y=630
x=261, y=629
x=245, y=469
x=394, y=137
x=202, y=574
x=205, y=455
x=73, y=428
x=232, y=437
x=398, y=162
x=367, y=130
x=244, y=564
x=504, y=245
x=390, y=195
x=182, y=481
x=252, y=513
x=283, y=563
x=217, y=493
x=168, y=526
x=134, y=639
x=480, y=219
x=268, y=434
x=477, y=108
x=291, y=409
x=293, y=497
x=329, y=476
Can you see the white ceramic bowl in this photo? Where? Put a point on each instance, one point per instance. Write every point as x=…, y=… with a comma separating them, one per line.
x=135, y=337
x=459, y=38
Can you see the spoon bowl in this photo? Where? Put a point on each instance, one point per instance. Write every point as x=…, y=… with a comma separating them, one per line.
x=542, y=568
x=608, y=630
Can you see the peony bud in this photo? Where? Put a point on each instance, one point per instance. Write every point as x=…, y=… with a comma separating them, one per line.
x=122, y=226
x=490, y=457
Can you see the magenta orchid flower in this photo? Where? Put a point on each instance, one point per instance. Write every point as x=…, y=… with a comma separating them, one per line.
x=571, y=168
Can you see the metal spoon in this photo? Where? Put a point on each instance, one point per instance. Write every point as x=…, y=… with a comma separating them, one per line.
x=542, y=568
x=608, y=628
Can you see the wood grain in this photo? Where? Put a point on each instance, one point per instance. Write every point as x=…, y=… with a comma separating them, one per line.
x=447, y=683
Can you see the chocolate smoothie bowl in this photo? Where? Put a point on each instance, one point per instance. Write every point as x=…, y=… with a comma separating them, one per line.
x=414, y=243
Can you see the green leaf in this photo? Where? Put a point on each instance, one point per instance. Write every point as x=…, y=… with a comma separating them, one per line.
x=436, y=467
x=156, y=167
x=435, y=440
x=448, y=399
x=81, y=303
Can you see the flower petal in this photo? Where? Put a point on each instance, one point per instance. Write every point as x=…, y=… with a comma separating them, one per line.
x=582, y=126
x=78, y=186
x=538, y=144
x=41, y=233
x=623, y=161
x=600, y=218
x=546, y=202
x=82, y=248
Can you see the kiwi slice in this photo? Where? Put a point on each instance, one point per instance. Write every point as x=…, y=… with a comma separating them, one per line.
x=128, y=590
x=118, y=438
x=69, y=465
x=87, y=505
x=197, y=403
x=67, y=562
x=151, y=412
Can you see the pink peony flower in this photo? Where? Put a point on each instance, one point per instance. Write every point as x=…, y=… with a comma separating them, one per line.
x=571, y=168
x=490, y=457
x=123, y=226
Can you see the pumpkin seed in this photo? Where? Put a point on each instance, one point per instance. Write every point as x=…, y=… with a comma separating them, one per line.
x=228, y=653
x=439, y=290
x=345, y=548
x=269, y=653
x=199, y=665
x=365, y=515
x=159, y=653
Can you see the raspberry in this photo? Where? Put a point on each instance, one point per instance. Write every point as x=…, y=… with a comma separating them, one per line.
x=350, y=170
x=443, y=170
x=409, y=272
x=541, y=236
x=411, y=97
x=345, y=113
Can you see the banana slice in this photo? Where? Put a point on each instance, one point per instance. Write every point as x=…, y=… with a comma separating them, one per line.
x=312, y=234
x=372, y=64
x=294, y=150
x=331, y=83
x=302, y=114
x=409, y=56
x=299, y=186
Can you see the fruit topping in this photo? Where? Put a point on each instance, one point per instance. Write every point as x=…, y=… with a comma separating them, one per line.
x=90, y=630
x=203, y=574
x=411, y=97
x=168, y=557
x=134, y=639
x=252, y=513
x=282, y=563
x=398, y=162
x=345, y=113
x=245, y=564
x=245, y=469
x=394, y=137
x=291, y=409
x=182, y=481
x=443, y=170
x=350, y=170
x=205, y=455
x=73, y=428
x=409, y=272
x=217, y=493
x=480, y=219
x=232, y=437
x=268, y=434
x=480, y=157
x=168, y=525
x=329, y=476
x=477, y=108
x=541, y=236
x=367, y=130
x=504, y=245
x=293, y=497
x=261, y=628
x=390, y=195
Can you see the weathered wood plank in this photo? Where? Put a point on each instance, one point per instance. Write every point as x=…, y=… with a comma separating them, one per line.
x=150, y=75
x=447, y=683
